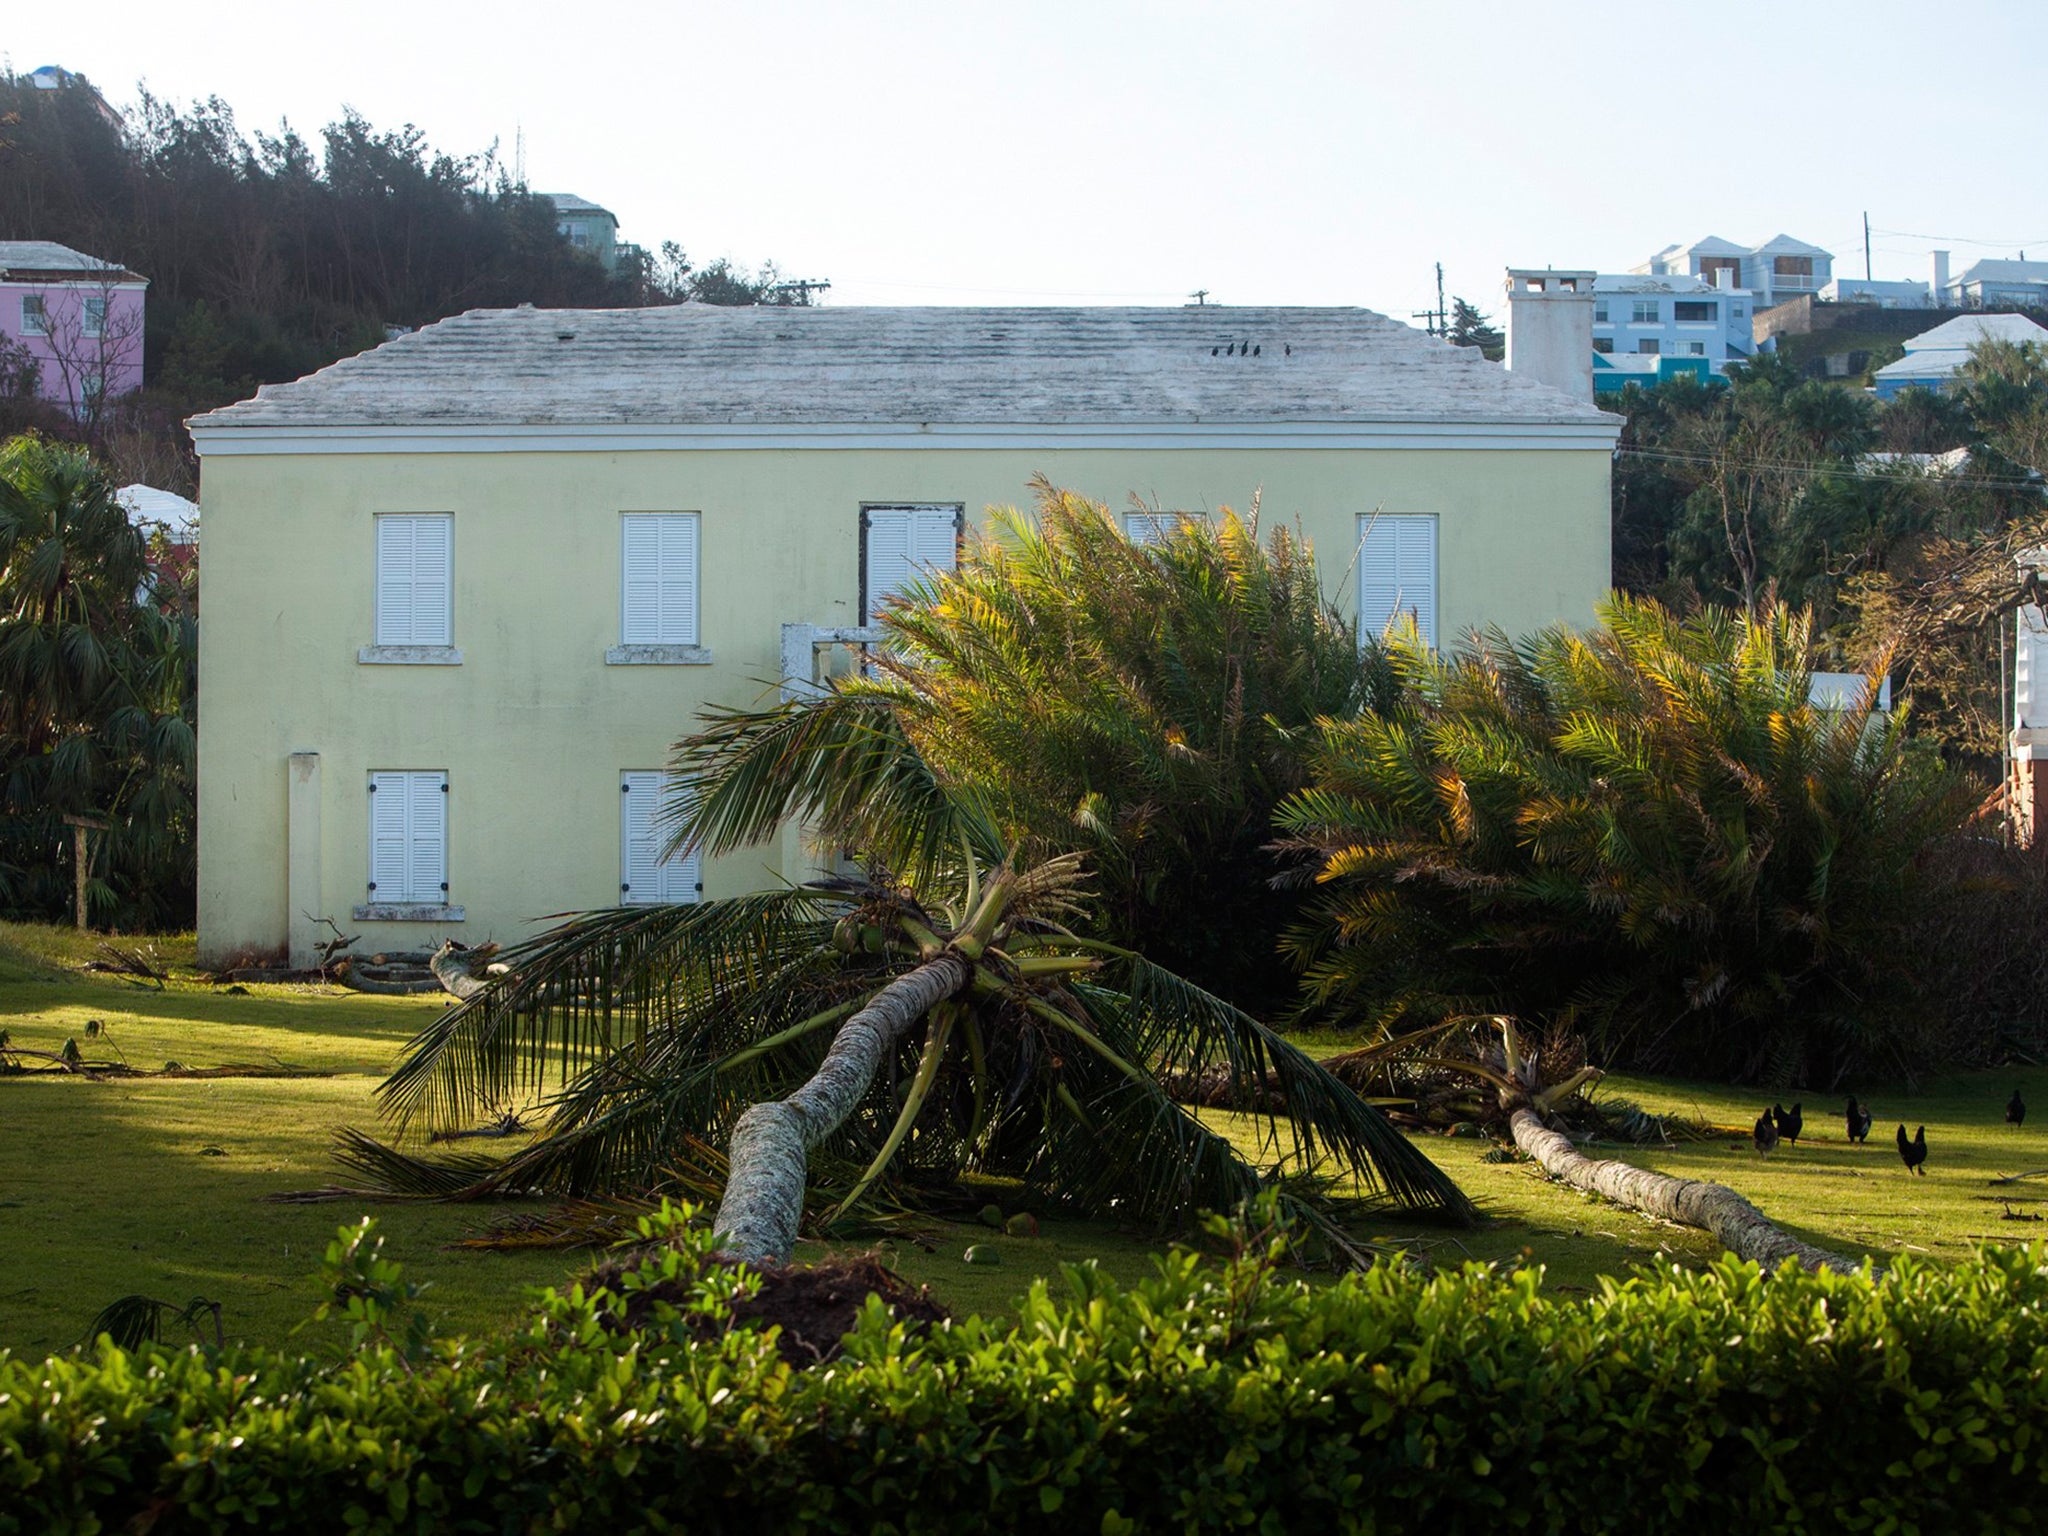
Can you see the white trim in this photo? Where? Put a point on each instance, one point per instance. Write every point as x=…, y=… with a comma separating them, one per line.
x=657, y=656
x=228, y=438
x=408, y=656
x=407, y=912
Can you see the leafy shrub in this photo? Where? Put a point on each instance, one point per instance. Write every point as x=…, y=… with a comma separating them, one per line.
x=1644, y=831
x=1216, y=1396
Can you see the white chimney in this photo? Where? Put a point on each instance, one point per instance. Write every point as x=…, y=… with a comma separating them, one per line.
x=1940, y=279
x=1724, y=279
x=1550, y=328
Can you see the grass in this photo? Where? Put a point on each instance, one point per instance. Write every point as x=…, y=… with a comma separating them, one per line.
x=156, y=1186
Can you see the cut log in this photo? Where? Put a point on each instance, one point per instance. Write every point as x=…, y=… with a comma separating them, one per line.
x=1742, y=1229
x=465, y=971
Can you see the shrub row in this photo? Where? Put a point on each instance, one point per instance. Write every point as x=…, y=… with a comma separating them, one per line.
x=1218, y=1396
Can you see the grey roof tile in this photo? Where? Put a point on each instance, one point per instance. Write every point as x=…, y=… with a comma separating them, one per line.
x=700, y=364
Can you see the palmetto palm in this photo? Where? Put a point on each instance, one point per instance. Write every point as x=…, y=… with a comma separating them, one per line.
x=952, y=1021
x=95, y=686
x=1646, y=830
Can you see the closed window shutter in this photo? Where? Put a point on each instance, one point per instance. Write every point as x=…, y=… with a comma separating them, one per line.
x=935, y=540
x=658, y=596
x=390, y=860
x=409, y=837
x=646, y=878
x=415, y=571
x=903, y=545
x=429, y=834
x=679, y=580
x=1397, y=574
x=1149, y=527
x=888, y=557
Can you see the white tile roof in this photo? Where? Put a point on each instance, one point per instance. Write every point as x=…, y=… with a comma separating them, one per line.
x=2005, y=272
x=697, y=364
x=1646, y=282
x=48, y=256
x=1966, y=331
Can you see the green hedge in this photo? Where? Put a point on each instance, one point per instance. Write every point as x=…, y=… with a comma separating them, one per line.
x=1218, y=1396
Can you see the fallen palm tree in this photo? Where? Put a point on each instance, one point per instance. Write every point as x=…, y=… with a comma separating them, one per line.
x=1738, y=1225
x=871, y=1037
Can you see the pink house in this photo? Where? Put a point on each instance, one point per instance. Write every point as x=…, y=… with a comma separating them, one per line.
x=76, y=318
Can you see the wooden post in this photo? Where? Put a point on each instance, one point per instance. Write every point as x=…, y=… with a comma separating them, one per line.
x=81, y=852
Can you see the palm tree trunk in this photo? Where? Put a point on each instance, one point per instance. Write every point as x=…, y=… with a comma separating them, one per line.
x=1743, y=1229
x=771, y=1146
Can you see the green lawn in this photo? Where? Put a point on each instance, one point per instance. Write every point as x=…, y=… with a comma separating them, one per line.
x=156, y=1186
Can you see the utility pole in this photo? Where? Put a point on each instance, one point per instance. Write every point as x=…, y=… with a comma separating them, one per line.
x=1866, y=245
x=802, y=287
x=1436, y=322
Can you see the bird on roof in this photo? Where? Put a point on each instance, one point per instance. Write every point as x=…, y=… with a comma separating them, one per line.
x=1790, y=1122
x=1914, y=1151
x=1858, y=1119
x=1765, y=1133
x=2015, y=1110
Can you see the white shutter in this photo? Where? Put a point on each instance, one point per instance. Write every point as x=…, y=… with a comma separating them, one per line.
x=1397, y=573
x=646, y=878
x=679, y=579
x=935, y=539
x=409, y=837
x=658, y=590
x=640, y=590
x=888, y=558
x=903, y=544
x=389, y=845
x=415, y=577
x=1150, y=527
x=428, y=855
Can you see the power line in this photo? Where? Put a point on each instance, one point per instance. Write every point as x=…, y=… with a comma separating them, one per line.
x=2016, y=245
x=1826, y=467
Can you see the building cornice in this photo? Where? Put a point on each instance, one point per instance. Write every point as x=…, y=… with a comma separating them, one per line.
x=224, y=440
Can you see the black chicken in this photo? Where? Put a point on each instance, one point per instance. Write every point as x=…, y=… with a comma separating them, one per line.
x=1858, y=1119
x=1914, y=1151
x=1790, y=1123
x=2015, y=1110
x=1765, y=1133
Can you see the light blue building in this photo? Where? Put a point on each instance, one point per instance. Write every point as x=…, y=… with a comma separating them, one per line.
x=1640, y=321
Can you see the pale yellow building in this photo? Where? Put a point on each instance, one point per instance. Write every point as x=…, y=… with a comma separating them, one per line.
x=461, y=593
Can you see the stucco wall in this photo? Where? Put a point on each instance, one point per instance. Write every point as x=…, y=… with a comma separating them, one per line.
x=64, y=354
x=533, y=728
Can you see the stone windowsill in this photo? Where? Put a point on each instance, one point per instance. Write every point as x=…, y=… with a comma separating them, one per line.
x=409, y=656
x=657, y=656
x=406, y=912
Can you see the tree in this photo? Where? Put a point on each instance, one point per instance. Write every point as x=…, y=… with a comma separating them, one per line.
x=1646, y=833
x=1148, y=705
x=911, y=1030
x=1469, y=328
x=96, y=689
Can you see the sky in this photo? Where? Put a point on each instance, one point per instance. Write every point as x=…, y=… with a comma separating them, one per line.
x=1120, y=152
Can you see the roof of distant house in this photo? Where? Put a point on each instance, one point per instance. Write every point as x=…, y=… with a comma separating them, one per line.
x=1712, y=245
x=1646, y=282
x=2004, y=272
x=569, y=202
x=1966, y=331
x=696, y=364
x=45, y=260
x=146, y=504
x=1785, y=245
x=1938, y=353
